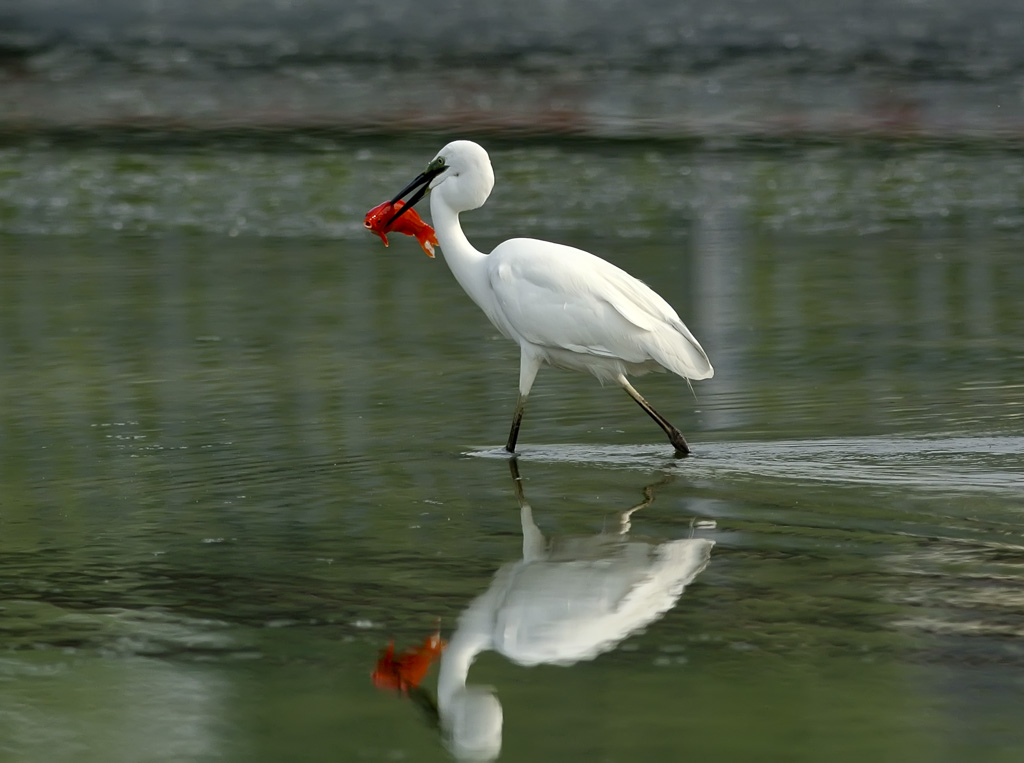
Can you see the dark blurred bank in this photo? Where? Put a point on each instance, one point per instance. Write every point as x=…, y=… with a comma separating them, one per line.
x=703, y=70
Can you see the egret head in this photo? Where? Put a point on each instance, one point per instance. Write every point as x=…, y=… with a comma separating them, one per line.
x=466, y=177
x=461, y=171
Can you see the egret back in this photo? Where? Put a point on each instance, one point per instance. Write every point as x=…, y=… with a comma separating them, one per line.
x=582, y=312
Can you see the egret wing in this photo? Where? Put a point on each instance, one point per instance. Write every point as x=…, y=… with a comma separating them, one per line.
x=557, y=296
x=551, y=298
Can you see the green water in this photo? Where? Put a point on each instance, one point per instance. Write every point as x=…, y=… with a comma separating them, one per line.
x=243, y=447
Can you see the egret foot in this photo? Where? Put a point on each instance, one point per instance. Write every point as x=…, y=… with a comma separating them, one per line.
x=674, y=435
x=678, y=442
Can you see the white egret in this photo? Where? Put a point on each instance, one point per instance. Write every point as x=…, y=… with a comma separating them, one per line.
x=561, y=305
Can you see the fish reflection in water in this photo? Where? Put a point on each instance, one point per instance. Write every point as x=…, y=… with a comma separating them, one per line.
x=563, y=603
x=404, y=672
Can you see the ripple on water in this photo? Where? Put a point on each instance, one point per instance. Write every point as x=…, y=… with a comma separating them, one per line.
x=960, y=464
x=114, y=631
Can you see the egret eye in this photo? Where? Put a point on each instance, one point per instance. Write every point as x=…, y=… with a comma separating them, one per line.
x=436, y=164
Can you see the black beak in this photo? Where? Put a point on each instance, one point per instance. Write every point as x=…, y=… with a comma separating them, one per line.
x=422, y=181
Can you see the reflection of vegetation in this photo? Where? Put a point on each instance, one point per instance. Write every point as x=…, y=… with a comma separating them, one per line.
x=302, y=189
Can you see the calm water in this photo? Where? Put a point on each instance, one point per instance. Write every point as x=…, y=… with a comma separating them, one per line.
x=243, y=447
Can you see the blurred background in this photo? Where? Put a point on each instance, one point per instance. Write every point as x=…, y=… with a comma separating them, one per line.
x=243, y=446
x=702, y=70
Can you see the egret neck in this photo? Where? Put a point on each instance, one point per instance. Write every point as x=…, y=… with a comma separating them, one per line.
x=464, y=260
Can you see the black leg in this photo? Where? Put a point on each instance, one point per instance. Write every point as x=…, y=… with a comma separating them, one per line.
x=517, y=420
x=674, y=435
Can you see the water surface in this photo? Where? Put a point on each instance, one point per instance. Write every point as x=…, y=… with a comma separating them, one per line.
x=243, y=447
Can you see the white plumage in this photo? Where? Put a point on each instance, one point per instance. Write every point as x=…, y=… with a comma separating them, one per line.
x=561, y=305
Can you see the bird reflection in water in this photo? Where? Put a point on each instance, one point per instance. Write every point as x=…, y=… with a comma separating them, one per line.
x=566, y=601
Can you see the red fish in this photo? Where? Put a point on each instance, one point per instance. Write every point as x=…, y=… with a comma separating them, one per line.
x=406, y=671
x=410, y=223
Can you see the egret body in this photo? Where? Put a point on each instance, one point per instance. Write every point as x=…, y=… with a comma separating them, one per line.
x=561, y=305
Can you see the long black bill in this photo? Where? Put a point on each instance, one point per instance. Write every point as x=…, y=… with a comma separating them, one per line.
x=423, y=179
